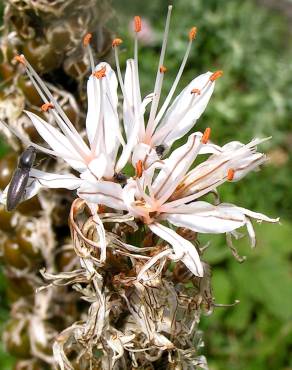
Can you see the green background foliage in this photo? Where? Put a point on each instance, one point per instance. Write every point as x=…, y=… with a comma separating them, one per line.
x=251, y=43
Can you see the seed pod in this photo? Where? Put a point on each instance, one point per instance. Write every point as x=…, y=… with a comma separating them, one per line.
x=17, y=345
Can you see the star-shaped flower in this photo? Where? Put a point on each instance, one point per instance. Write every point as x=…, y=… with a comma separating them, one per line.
x=173, y=194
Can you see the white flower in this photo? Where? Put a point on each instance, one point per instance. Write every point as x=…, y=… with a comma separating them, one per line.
x=97, y=161
x=169, y=123
x=169, y=194
x=172, y=195
x=94, y=161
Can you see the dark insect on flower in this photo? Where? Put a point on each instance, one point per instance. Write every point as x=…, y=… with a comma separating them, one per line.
x=120, y=177
x=20, y=178
x=160, y=150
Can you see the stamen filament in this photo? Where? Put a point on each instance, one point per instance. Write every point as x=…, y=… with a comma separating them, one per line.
x=38, y=147
x=168, y=207
x=146, y=197
x=51, y=99
x=164, y=132
x=174, y=85
x=158, y=83
x=64, y=128
x=139, y=119
x=86, y=43
x=119, y=73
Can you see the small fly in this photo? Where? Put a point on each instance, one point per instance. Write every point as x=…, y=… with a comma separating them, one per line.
x=20, y=178
x=120, y=178
x=160, y=150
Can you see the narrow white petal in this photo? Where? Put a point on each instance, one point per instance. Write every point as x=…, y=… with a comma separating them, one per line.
x=251, y=232
x=146, y=154
x=103, y=192
x=93, y=110
x=132, y=107
x=203, y=217
x=101, y=167
x=213, y=172
x=183, y=249
x=210, y=148
x=184, y=111
x=258, y=216
x=53, y=180
x=57, y=142
x=129, y=192
x=40, y=179
x=175, y=167
x=102, y=122
x=147, y=100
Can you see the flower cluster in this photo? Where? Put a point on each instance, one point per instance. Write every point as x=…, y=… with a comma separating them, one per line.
x=165, y=189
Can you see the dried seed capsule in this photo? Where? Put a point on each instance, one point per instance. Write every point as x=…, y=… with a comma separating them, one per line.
x=23, y=237
x=17, y=344
x=5, y=217
x=7, y=166
x=13, y=255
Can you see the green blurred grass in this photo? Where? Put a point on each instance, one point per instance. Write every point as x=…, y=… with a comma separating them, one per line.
x=253, y=47
x=257, y=333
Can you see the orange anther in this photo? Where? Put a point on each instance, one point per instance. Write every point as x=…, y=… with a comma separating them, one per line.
x=206, y=135
x=230, y=174
x=86, y=39
x=192, y=33
x=101, y=73
x=45, y=107
x=162, y=69
x=196, y=91
x=116, y=42
x=139, y=168
x=137, y=23
x=19, y=59
x=216, y=75
x=101, y=208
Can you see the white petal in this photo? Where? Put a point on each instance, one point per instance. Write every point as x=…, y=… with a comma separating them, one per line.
x=102, y=192
x=183, y=249
x=101, y=167
x=147, y=100
x=146, y=154
x=184, y=111
x=133, y=110
x=258, y=216
x=129, y=193
x=58, y=142
x=40, y=179
x=106, y=130
x=210, y=148
x=175, y=167
x=203, y=217
x=213, y=172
